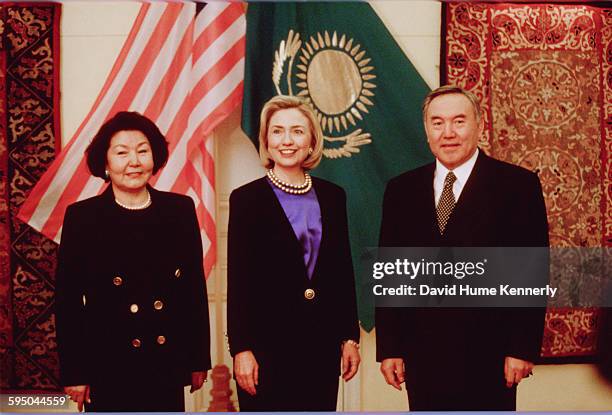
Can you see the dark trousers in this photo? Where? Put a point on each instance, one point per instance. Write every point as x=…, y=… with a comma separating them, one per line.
x=143, y=397
x=445, y=396
x=458, y=383
x=292, y=389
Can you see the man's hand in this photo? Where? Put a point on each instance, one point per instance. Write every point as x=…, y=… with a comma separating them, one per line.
x=393, y=371
x=197, y=380
x=246, y=371
x=515, y=370
x=79, y=394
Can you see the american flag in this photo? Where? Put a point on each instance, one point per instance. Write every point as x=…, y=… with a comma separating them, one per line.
x=182, y=66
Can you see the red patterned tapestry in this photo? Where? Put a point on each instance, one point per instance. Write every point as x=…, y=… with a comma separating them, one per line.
x=544, y=75
x=29, y=139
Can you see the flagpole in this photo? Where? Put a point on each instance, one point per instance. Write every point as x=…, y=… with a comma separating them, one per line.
x=219, y=286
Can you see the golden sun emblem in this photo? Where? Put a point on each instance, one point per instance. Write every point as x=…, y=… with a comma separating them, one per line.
x=335, y=76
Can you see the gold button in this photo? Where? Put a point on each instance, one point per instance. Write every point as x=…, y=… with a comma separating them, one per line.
x=161, y=339
x=136, y=343
x=134, y=308
x=177, y=273
x=158, y=305
x=117, y=281
x=309, y=294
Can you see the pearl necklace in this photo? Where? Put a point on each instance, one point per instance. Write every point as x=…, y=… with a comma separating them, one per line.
x=145, y=205
x=293, y=189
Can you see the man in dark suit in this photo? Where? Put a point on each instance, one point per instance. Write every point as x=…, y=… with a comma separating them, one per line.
x=468, y=358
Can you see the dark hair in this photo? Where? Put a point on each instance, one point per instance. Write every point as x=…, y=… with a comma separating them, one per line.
x=453, y=89
x=125, y=121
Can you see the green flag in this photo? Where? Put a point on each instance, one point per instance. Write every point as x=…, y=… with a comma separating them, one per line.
x=367, y=95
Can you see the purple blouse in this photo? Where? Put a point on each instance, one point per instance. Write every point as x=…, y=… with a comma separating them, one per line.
x=304, y=214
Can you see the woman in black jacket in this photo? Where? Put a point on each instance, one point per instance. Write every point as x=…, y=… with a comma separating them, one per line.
x=132, y=317
x=292, y=317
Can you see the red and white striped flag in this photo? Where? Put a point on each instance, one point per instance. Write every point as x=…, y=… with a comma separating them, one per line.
x=183, y=68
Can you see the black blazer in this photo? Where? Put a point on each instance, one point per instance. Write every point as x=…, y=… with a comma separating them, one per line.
x=111, y=259
x=501, y=205
x=267, y=311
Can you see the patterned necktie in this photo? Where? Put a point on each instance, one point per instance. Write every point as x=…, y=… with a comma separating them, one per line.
x=446, y=204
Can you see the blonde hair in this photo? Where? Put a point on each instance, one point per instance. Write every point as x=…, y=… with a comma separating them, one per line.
x=452, y=89
x=282, y=102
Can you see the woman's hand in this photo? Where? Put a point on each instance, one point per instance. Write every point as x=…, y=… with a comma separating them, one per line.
x=197, y=380
x=79, y=394
x=246, y=371
x=350, y=360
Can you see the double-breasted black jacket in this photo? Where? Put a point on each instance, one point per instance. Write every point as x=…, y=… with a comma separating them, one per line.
x=268, y=311
x=131, y=299
x=501, y=205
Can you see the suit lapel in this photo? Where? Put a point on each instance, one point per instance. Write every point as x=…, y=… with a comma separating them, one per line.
x=430, y=201
x=473, y=200
x=280, y=223
x=326, y=209
x=426, y=208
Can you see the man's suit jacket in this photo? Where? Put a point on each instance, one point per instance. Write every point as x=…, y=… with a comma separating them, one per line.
x=501, y=205
x=124, y=278
x=268, y=312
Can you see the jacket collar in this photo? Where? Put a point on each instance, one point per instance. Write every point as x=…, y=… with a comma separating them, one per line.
x=108, y=204
x=473, y=197
x=283, y=222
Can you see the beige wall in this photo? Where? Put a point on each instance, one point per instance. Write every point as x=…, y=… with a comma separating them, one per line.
x=92, y=35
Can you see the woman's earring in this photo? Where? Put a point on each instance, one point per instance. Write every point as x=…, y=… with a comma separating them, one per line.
x=310, y=150
x=106, y=173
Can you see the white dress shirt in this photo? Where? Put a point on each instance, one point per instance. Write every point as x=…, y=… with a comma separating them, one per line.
x=462, y=173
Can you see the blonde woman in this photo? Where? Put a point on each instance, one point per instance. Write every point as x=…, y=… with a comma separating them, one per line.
x=292, y=316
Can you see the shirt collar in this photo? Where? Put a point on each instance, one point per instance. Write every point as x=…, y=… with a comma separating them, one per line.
x=462, y=172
